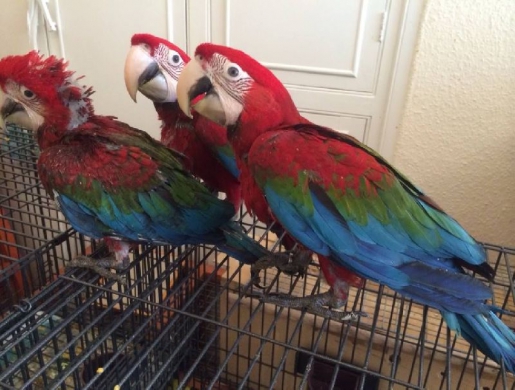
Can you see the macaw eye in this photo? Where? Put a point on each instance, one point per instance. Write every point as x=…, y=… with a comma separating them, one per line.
x=27, y=93
x=233, y=71
x=173, y=57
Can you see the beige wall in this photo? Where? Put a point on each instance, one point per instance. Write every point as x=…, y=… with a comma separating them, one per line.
x=457, y=135
x=13, y=29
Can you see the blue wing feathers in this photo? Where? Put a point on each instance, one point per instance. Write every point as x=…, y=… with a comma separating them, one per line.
x=229, y=162
x=201, y=225
x=489, y=333
x=82, y=219
x=458, y=284
x=294, y=222
x=413, y=247
x=380, y=252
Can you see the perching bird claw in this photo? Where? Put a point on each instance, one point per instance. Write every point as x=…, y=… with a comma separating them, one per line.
x=290, y=262
x=101, y=266
x=324, y=304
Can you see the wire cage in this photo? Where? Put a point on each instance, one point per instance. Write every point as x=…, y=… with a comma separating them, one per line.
x=185, y=319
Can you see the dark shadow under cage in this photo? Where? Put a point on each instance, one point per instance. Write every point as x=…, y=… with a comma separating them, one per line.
x=185, y=321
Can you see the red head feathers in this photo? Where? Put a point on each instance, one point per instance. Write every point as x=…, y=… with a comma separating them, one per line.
x=153, y=43
x=259, y=73
x=34, y=72
x=46, y=89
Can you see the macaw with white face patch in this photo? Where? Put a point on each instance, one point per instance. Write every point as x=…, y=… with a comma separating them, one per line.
x=112, y=181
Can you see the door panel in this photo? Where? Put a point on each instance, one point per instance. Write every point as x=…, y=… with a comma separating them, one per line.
x=352, y=125
x=330, y=44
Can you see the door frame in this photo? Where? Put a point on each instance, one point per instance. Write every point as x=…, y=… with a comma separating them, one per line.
x=401, y=76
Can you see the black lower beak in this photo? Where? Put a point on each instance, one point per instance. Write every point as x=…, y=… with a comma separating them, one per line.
x=202, y=86
x=148, y=74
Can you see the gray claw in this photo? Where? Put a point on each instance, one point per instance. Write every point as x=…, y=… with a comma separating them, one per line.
x=320, y=304
x=100, y=267
x=290, y=262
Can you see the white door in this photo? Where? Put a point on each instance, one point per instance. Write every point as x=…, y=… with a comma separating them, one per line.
x=338, y=58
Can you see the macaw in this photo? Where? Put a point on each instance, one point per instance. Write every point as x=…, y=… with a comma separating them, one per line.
x=344, y=201
x=153, y=66
x=110, y=180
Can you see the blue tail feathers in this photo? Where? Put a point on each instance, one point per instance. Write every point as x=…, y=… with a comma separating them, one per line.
x=491, y=336
x=239, y=245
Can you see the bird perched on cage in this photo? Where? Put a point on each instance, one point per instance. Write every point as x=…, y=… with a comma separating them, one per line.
x=153, y=66
x=110, y=180
x=344, y=201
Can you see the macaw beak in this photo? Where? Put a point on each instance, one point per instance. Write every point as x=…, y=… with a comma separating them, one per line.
x=142, y=73
x=8, y=109
x=196, y=91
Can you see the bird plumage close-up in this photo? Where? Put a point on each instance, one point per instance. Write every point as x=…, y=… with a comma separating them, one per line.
x=113, y=181
x=344, y=201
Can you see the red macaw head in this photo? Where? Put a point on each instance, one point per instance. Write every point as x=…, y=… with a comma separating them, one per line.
x=153, y=66
x=229, y=87
x=45, y=89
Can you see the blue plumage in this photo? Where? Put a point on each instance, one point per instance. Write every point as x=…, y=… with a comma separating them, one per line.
x=229, y=162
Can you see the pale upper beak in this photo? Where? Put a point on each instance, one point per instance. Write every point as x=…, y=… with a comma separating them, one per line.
x=142, y=73
x=195, y=90
x=11, y=111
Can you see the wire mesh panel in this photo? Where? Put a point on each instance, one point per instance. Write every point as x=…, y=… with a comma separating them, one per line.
x=30, y=225
x=187, y=318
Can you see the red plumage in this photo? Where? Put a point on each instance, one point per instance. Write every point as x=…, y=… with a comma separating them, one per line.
x=44, y=77
x=78, y=148
x=319, y=153
x=87, y=153
x=179, y=132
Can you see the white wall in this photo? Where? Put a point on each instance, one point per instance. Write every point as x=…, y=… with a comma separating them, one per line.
x=457, y=135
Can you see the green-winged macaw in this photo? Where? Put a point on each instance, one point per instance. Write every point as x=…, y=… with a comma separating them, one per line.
x=344, y=201
x=110, y=180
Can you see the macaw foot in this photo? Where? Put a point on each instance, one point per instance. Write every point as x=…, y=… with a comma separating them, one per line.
x=324, y=304
x=291, y=262
x=100, y=266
